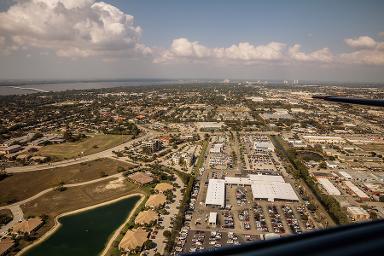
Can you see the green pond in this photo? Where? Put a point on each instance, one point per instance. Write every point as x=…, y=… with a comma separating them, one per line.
x=85, y=233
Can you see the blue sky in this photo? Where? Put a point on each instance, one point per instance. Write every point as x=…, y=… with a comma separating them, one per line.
x=311, y=40
x=223, y=22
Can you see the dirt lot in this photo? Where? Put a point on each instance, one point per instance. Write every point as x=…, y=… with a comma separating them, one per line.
x=373, y=147
x=55, y=202
x=23, y=185
x=88, y=146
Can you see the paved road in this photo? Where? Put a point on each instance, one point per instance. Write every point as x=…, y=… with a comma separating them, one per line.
x=102, y=154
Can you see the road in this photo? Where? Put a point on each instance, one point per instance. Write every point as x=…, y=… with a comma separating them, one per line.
x=102, y=154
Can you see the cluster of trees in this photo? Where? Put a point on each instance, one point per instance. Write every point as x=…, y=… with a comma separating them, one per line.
x=5, y=218
x=3, y=174
x=300, y=171
x=71, y=137
x=189, y=180
x=127, y=128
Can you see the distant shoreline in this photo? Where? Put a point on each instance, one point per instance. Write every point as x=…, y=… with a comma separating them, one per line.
x=57, y=224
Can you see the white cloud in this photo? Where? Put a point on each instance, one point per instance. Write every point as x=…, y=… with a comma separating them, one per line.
x=244, y=52
x=322, y=55
x=361, y=42
x=370, y=57
x=370, y=52
x=183, y=49
x=72, y=28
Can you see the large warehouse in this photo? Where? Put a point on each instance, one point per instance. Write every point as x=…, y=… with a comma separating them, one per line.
x=269, y=187
x=216, y=192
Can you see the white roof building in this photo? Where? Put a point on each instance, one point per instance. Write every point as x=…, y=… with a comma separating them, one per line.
x=323, y=139
x=210, y=125
x=215, y=192
x=345, y=175
x=212, y=218
x=329, y=187
x=216, y=148
x=269, y=187
x=356, y=190
x=264, y=145
x=273, y=190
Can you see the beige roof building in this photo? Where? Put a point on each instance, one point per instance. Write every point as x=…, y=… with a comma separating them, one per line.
x=146, y=217
x=27, y=226
x=6, y=245
x=133, y=238
x=155, y=201
x=162, y=187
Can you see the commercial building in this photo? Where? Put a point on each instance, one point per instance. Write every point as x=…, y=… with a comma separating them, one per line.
x=345, y=175
x=323, y=139
x=212, y=221
x=264, y=145
x=357, y=213
x=329, y=187
x=268, y=187
x=217, y=148
x=215, y=193
x=153, y=146
x=274, y=191
x=356, y=190
x=210, y=126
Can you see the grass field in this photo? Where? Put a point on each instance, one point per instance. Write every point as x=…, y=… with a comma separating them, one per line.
x=91, y=145
x=20, y=186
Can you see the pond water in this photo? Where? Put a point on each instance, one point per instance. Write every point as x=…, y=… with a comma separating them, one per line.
x=85, y=233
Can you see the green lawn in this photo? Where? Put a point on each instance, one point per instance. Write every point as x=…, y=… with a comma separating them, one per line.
x=88, y=146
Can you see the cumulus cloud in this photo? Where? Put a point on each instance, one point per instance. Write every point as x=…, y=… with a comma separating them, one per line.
x=182, y=48
x=369, y=51
x=72, y=28
x=245, y=52
x=361, y=42
x=322, y=55
x=370, y=57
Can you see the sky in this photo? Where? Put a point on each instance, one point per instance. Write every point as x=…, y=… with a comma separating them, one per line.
x=88, y=39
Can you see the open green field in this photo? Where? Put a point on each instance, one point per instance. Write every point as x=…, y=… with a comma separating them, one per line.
x=20, y=186
x=90, y=145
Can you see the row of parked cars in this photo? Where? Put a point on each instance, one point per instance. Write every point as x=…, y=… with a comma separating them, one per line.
x=261, y=223
x=292, y=221
x=183, y=234
x=244, y=218
x=277, y=224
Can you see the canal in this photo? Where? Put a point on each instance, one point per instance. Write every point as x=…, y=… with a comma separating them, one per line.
x=85, y=233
